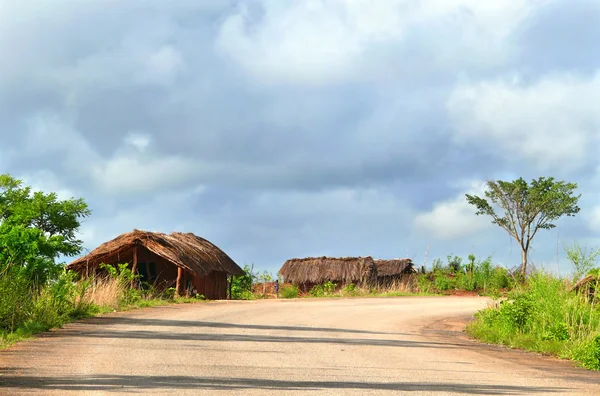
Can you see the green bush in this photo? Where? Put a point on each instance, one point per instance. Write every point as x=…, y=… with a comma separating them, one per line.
x=350, y=290
x=543, y=315
x=289, y=291
x=241, y=288
x=465, y=282
x=325, y=289
x=424, y=284
x=443, y=283
x=588, y=353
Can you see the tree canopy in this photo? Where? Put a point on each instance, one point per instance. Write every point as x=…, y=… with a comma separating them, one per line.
x=524, y=209
x=36, y=228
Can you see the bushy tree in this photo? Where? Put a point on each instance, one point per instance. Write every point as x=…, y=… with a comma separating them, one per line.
x=241, y=288
x=35, y=229
x=523, y=209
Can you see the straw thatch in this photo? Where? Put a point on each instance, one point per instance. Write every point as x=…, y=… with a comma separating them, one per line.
x=185, y=250
x=587, y=285
x=316, y=270
x=394, y=267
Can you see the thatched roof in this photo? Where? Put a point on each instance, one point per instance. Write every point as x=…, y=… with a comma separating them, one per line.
x=185, y=250
x=322, y=269
x=587, y=281
x=394, y=267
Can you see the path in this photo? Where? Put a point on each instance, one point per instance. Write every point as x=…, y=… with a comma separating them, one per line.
x=405, y=345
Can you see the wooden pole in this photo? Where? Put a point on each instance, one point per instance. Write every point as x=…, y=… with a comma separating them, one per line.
x=134, y=267
x=178, y=284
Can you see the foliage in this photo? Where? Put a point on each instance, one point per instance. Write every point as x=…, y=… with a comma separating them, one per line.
x=583, y=260
x=350, y=290
x=241, y=288
x=264, y=278
x=125, y=277
x=454, y=263
x=543, y=315
x=35, y=229
x=289, y=291
x=443, y=283
x=325, y=289
x=424, y=284
x=526, y=208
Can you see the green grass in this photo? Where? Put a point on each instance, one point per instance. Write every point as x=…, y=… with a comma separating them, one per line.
x=543, y=316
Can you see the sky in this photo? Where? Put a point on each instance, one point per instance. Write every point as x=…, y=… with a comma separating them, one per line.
x=279, y=129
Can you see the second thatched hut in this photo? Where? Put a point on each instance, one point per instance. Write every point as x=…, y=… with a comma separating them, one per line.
x=394, y=271
x=310, y=271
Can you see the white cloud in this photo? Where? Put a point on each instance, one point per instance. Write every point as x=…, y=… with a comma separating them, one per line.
x=167, y=212
x=554, y=122
x=47, y=182
x=594, y=219
x=318, y=40
x=139, y=141
x=453, y=218
x=135, y=174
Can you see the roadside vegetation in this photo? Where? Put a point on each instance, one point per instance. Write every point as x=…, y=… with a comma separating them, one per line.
x=455, y=276
x=544, y=313
x=36, y=293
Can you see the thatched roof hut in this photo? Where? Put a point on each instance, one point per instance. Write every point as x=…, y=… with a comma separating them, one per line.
x=175, y=255
x=316, y=270
x=394, y=267
x=588, y=285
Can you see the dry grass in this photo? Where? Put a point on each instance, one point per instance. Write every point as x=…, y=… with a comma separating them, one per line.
x=316, y=270
x=105, y=292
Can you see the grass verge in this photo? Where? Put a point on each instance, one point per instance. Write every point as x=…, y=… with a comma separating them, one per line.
x=544, y=315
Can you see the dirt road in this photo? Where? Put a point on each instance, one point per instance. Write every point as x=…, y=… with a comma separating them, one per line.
x=406, y=345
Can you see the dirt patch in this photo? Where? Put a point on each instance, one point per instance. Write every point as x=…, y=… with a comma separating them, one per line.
x=453, y=330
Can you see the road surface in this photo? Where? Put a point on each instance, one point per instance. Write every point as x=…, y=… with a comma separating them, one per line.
x=405, y=345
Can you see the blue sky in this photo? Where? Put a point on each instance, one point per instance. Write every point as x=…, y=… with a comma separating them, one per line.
x=281, y=129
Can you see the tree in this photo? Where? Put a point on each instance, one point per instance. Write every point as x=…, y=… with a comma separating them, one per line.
x=36, y=228
x=583, y=260
x=524, y=208
x=264, y=278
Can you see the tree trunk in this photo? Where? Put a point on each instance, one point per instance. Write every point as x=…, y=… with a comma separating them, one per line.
x=134, y=266
x=523, y=262
x=178, y=283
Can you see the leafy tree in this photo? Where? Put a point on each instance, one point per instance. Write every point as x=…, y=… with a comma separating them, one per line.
x=35, y=229
x=524, y=208
x=583, y=259
x=241, y=288
x=264, y=278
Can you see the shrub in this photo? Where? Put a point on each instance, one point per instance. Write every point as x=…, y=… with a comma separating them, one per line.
x=443, y=283
x=543, y=315
x=325, y=289
x=289, y=291
x=588, y=353
x=424, y=284
x=241, y=288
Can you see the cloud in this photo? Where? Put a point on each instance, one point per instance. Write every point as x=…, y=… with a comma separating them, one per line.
x=332, y=41
x=281, y=129
x=454, y=218
x=552, y=122
x=136, y=174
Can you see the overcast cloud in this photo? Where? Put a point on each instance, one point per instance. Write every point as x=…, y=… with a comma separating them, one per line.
x=281, y=129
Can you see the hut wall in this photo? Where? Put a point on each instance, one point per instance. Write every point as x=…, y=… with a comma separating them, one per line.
x=163, y=273
x=213, y=286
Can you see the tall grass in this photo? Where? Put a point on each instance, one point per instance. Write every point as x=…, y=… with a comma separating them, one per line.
x=27, y=308
x=544, y=315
